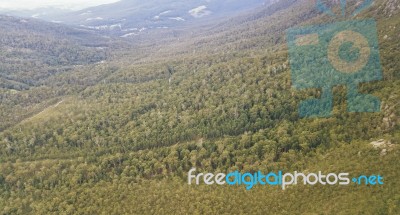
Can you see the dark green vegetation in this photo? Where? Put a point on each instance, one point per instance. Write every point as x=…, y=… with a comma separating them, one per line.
x=119, y=137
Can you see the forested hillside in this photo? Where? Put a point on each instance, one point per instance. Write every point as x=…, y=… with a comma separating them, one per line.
x=33, y=50
x=113, y=127
x=33, y=53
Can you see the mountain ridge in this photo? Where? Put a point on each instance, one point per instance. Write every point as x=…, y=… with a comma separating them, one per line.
x=217, y=97
x=129, y=18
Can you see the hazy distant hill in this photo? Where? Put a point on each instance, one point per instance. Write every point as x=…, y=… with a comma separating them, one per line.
x=131, y=17
x=31, y=48
x=119, y=136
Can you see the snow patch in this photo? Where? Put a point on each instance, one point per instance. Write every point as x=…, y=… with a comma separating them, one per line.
x=158, y=17
x=36, y=15
x=129, y=35
x=165, y=12
x=199, y=12
x=130, y=29
x=177, y=18
x=105, y=27
x=91, y=19
x=86, y=13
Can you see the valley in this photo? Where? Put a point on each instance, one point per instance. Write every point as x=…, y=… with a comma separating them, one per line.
x=95, y=123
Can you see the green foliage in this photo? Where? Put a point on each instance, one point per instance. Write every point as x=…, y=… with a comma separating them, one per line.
x=119, y=137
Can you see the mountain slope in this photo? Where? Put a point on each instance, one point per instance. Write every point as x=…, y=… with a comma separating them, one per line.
x=220, y=100
x=32, y=54
x=31, y=48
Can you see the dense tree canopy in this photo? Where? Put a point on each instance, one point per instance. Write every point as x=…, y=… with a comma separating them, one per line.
x=115, y=129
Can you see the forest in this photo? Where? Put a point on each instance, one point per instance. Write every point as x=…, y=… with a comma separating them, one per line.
x=114, y=127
